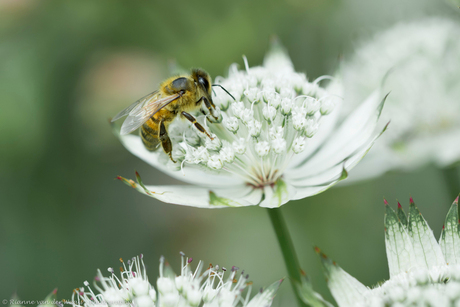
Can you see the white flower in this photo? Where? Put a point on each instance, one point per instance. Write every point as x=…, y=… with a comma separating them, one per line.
x=191, y=288
x=275, y=143
x=423, y=272
x=421, y=66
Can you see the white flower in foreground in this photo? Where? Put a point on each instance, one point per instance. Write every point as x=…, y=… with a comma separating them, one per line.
x=278, y=141
x=423, y=272
x=210, y=288
x=422, y=67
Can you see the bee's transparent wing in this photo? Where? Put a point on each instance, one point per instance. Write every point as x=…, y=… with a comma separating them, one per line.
x=139, y=115
x=137, y=105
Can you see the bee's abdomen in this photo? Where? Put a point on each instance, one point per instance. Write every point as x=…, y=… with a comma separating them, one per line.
x=149, y=135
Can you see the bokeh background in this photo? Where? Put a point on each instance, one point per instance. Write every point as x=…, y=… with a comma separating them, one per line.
x=67, y=66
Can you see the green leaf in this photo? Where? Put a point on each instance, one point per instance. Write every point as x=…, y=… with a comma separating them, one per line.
x=400, y=252
x=346, y=290
x=450, y=236
x=427, y=250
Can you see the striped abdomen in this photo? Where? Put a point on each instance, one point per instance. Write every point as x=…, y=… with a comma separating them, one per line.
x=150, y=134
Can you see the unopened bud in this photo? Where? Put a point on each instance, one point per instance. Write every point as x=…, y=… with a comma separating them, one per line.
x=240, y=146
x=215, y=144
x=254, y=128
x=298, y=145
x=253, y=94
x=286, y=106
x=262, y=148
x=269, y=113
x=215, y=162
x=237, y=108
x=279, y=145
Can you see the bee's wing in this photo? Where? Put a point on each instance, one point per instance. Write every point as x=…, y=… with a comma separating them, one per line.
x=137, y=105
x=140, y=114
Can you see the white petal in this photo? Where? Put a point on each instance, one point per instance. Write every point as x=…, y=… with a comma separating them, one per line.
x=400, y=253
x=353, y=134
x=200, y=197
x=427, y=251
x=134, y=145
x=277, y=59
x=450, y=236
x=265, y=298
x=377, y=162
x=303, y=192
x=345, y=289
x=309, y=185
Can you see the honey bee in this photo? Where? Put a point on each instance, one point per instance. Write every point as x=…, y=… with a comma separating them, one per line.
x=177, y=96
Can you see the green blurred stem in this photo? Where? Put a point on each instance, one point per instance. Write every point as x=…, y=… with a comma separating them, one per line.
x=287, y=248
x=452, y=181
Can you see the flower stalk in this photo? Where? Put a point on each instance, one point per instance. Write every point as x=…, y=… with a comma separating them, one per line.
x=288, y=251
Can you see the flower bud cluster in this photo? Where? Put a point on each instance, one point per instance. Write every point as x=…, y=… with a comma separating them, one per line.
x=131, y=288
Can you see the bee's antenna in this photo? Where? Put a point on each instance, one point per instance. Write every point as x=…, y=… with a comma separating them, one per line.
x=224, y=90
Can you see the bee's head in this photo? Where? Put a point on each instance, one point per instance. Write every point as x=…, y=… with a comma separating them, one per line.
x=203, y=81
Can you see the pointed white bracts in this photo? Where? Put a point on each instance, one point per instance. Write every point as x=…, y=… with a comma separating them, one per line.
x=423, y=272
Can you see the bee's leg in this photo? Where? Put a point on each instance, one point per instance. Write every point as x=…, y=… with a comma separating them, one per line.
x=192, y=119
x=209, y=105
x=165, y=140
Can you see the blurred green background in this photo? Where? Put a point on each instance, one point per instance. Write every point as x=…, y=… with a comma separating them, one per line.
x=67, y=66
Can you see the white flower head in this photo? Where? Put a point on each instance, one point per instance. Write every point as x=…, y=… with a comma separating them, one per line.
x=421, y=67
x=275, y=143
x=130, y=288
x=423, y=271
x=214, y=287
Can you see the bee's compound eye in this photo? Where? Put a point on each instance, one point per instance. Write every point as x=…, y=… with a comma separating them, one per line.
x=180, y=84
x=204, y=82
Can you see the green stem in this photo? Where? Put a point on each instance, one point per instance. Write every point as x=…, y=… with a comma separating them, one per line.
x=287, y=248
x=452, y=181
